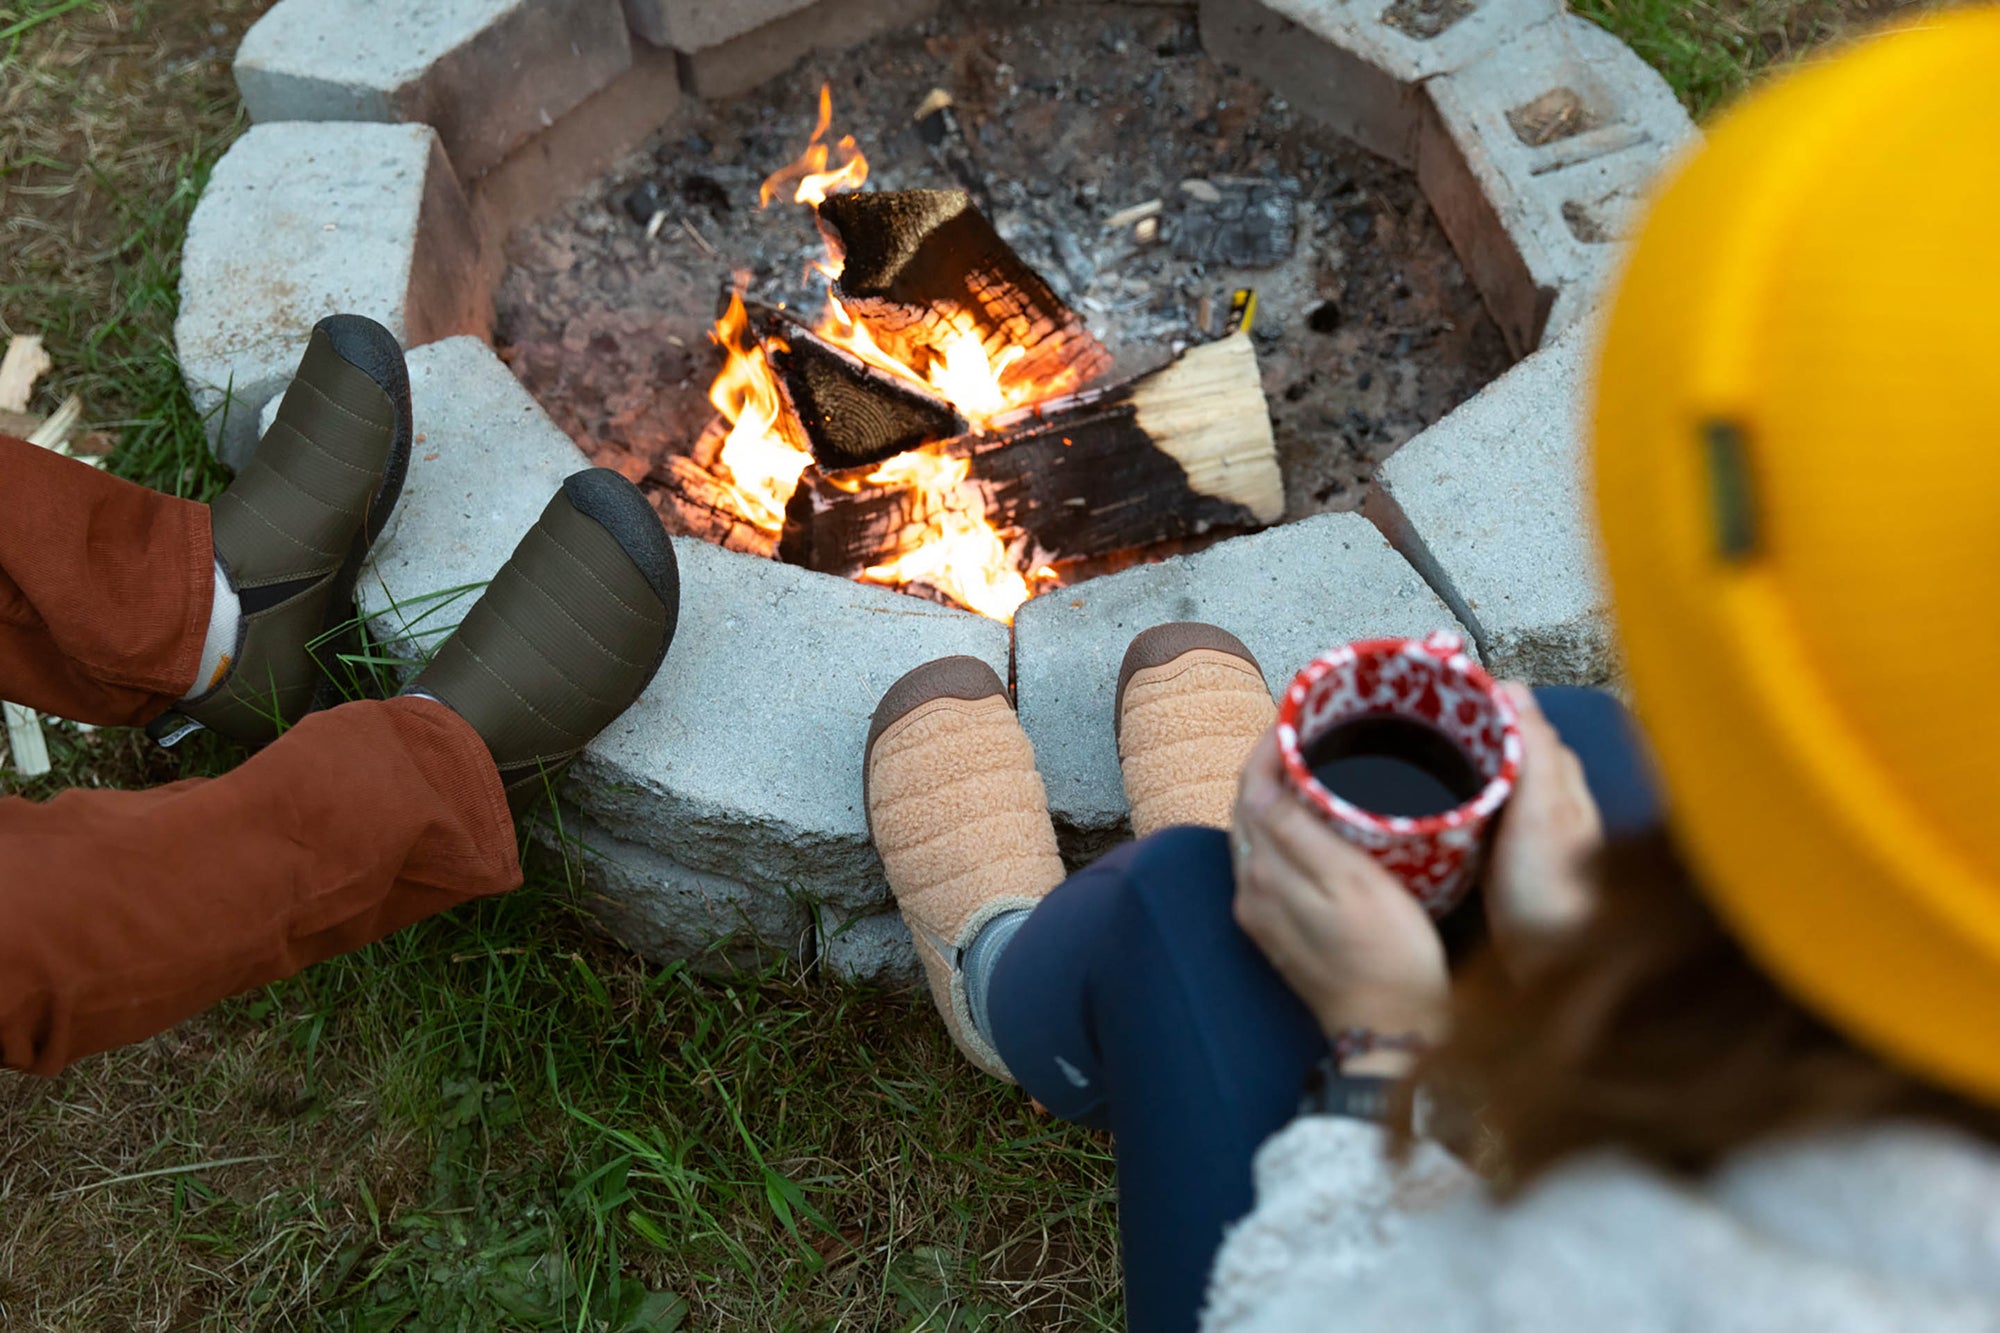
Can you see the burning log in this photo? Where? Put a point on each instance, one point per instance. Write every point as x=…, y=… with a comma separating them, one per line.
x=851, y=413
x=694, y=502
x=925, y=266
x=1172, y=453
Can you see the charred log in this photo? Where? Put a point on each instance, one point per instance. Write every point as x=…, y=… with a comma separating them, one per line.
x=923, y=264
x=693, y=502
x=1171, y=454
x=851, y=413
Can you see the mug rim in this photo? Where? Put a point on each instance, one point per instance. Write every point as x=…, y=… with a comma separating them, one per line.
x=1443, y=648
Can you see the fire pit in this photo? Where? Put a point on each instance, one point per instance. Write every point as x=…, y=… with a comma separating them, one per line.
x=1139, y=186
x=1018, y=370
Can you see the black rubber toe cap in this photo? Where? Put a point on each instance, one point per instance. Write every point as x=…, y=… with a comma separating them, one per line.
x=622, y=510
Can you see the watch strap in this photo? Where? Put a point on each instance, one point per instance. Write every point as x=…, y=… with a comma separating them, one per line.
x=1367, y=1097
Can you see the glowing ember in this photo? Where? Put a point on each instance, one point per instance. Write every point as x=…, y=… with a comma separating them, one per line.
x=962, y=556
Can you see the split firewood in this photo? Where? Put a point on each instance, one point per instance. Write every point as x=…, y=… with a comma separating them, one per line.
x=1173, y=453
x=851, y=413
x=923, y=266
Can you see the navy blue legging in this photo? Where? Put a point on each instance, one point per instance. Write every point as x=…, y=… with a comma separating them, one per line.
x=1131, y=1001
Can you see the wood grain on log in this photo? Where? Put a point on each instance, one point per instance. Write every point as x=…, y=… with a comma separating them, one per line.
x=694, y=503
x=850, y=413
x=920, y=264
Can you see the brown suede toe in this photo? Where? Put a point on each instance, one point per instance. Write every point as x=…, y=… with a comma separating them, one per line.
x=960, y=820
x=1192, y=703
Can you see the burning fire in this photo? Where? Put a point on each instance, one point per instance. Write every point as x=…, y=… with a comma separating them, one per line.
x=962, y=554
x=815, y=181
x=763, y=466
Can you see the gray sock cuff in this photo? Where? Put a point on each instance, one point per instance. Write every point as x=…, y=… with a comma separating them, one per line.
x=981, y=958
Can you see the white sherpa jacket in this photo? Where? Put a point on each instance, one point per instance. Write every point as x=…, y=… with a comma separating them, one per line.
x=1891, y=1229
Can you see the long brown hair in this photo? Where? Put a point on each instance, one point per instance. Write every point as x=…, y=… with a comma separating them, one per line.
x=1653, y=1032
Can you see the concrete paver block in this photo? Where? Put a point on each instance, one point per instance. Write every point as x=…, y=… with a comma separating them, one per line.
x=546, y=172
x=301, y=221
x=696, y=25
x=741, y=765
x=1356, y=64
x=1533, y=158
x=872, y=947
x=741, y=63
x=1489, y=505
x=487, y=74
x=744, y=758
x=1288, y=593
x=664, y=911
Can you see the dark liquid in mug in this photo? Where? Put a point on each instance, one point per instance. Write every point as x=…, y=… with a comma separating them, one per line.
x=1394, y=766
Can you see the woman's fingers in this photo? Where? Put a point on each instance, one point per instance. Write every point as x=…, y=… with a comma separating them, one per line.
x=1535, y=888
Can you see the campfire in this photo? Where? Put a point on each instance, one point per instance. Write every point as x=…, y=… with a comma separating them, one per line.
x=941, y=426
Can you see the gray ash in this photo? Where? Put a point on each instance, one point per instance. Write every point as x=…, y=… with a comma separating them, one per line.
x=1367, y=329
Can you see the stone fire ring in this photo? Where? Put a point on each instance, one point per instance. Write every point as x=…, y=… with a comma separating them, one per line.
x=395, y=146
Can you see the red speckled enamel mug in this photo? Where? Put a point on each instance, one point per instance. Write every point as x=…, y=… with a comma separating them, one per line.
x=1433, y=682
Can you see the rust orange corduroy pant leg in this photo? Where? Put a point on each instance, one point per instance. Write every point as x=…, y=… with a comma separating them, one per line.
x=122, y=913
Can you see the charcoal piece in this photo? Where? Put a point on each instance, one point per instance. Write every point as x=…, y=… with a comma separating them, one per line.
x=1235, y=222
x=1186, y=41
x=943, y=133
x=644, y=202
x=1076, y=265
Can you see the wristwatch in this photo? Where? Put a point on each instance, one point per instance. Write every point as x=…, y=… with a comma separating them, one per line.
x=1327, y=1091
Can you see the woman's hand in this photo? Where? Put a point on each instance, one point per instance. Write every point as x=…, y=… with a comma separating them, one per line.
x=1343, y=932
x=1537, y=891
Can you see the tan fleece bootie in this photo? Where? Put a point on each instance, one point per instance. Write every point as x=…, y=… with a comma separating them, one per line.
x=1192, y=704
x=960, y=819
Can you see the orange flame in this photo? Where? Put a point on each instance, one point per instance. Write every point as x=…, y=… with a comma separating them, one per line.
x=763, y=466
x=815, y=181
x=962, y=555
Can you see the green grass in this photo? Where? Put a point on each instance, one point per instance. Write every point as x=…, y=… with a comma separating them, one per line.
x=493, y=1120
x=1711, y=50
x=496, y=1119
